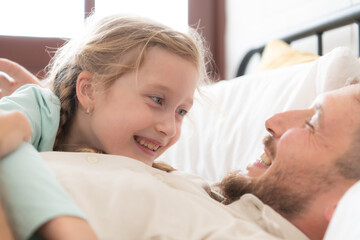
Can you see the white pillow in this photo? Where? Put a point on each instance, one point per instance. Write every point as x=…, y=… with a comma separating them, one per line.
x=344, y=223
x=225, y=127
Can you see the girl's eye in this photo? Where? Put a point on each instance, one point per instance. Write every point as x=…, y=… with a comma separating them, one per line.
x=309, y=125
x=182, y=112
x=157, y=100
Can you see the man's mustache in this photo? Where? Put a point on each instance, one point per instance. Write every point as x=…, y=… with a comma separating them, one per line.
x=269, y=144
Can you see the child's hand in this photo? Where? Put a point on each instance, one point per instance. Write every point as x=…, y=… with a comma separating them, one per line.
x=13, y=76
x=14, y=128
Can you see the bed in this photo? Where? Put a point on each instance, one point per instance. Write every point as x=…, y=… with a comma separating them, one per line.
x=223, y=132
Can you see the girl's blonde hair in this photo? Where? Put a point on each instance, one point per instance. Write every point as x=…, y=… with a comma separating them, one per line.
x=106, y=48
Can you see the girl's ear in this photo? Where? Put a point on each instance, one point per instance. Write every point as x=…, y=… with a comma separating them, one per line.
x=85, y=91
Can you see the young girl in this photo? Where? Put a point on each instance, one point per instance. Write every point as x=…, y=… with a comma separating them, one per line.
x=121, y=87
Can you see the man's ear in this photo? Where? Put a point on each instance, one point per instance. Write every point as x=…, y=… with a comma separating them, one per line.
x=329, y=212
x=85, y=90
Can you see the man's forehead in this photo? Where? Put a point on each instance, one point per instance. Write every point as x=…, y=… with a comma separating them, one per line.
x=352, y=90
x=348, y=99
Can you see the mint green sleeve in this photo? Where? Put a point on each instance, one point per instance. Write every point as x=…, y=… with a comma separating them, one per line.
x=42, y=108
x=30, y=193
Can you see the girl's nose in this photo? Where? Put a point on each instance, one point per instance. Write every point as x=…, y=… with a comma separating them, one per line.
x=167, y=124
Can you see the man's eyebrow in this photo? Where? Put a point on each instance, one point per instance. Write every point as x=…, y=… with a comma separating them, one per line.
x=357, y=95
x=320, y=113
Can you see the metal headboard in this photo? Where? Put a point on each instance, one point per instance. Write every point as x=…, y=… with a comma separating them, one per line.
x=316, y=27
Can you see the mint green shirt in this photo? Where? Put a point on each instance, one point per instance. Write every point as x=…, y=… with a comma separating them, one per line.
x=29, y=191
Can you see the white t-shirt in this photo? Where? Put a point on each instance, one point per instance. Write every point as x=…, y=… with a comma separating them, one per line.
x=126, y=199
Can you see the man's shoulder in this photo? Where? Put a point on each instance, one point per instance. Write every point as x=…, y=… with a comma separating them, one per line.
x=252, y=208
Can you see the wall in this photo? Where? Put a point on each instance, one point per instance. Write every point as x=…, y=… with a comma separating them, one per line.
x=251, y=21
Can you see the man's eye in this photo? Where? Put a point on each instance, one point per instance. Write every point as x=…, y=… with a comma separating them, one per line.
x=309, y=125
x=182, y=112
x=157, y=100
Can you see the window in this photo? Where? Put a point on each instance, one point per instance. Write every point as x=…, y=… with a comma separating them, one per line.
x=41, y=18
x=32, y=26
x=173, y=13
x=53, y=18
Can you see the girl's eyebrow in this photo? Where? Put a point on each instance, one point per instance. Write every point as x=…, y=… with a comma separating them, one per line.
x=161, y=87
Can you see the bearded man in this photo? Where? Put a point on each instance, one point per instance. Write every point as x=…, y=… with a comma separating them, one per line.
x=314, y=155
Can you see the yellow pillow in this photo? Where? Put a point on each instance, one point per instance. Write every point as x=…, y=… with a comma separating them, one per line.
x=278, y=54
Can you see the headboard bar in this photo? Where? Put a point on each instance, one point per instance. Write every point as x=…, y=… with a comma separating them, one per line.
x=358, y=24
x=319, y=43
x=316, y=27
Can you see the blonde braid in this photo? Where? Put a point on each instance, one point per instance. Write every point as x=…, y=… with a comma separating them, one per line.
x=66, y=91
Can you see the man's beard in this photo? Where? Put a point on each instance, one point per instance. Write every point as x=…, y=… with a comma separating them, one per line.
x=288, y=191
x=283, y=198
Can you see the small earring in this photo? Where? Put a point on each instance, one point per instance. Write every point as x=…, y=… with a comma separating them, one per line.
x=88, y=110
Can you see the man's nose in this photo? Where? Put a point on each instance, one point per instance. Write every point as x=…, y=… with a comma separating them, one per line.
x=279, y=123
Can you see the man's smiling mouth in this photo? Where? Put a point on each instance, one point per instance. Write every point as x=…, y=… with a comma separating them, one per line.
x=265, y=160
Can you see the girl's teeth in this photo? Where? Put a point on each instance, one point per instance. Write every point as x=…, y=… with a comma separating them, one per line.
x=148, y=145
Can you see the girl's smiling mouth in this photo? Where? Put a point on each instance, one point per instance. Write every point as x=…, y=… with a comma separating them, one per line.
x=148, y=144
